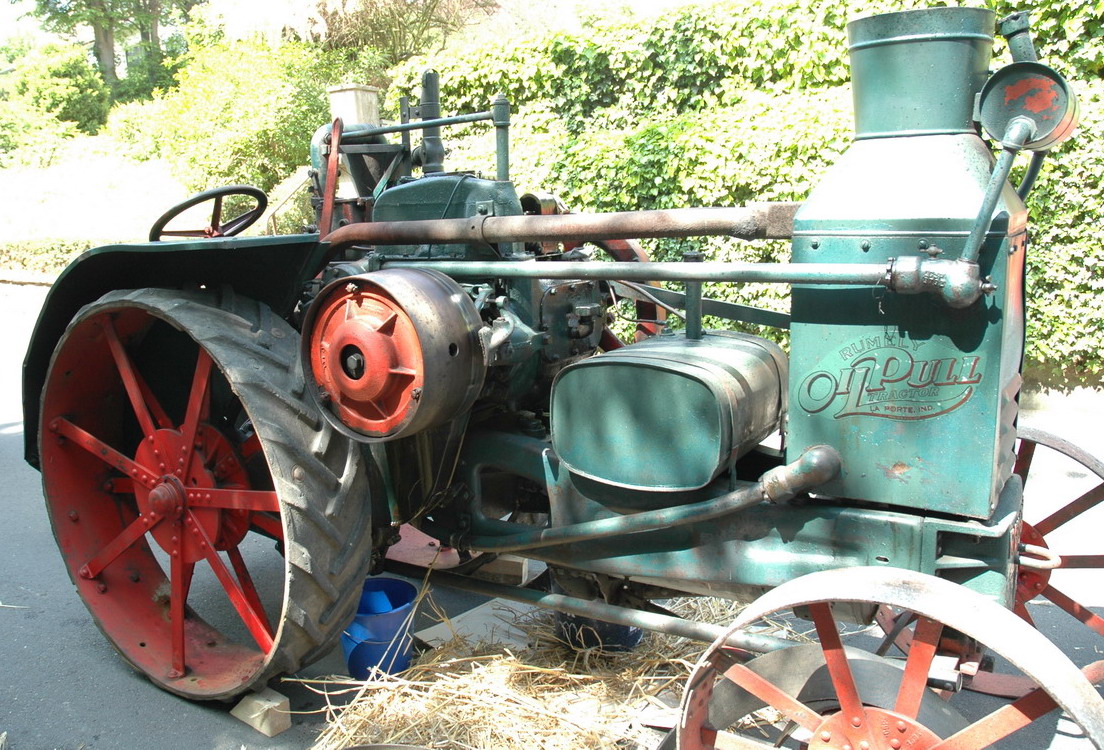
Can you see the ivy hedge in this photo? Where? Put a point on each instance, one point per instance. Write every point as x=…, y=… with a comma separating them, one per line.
x=729, y=102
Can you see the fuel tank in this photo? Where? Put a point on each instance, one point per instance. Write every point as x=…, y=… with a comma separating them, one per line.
x=919, y=398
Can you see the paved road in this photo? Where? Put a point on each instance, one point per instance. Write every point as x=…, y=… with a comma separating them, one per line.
x=63, y=687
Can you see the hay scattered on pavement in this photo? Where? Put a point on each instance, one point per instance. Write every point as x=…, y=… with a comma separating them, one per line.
x=484, y=696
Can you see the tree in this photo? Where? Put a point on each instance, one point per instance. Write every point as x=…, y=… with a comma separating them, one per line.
x=111, y=20
x=104, y=17
x=399, y=29
x=59, y=80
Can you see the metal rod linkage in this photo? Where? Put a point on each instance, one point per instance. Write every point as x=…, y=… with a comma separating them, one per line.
x=695, y=631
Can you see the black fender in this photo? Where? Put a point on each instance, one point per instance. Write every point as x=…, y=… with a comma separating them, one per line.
x=269, y=269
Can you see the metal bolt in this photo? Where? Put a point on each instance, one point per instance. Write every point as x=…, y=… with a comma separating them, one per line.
x=354, y=365
x=895, y=743
x=175, y=674
x=865, y=245
x=814, y=244
x=135, y=576
x=101, y=587
x=825, y=735
x=351, y=288
x=923, y=244
x=415, y=393
x=864, y=745
x=84, y=572
x=73, y=516
x=297, y=474
x=552, y=291
x=856, y=721
x=901, y=726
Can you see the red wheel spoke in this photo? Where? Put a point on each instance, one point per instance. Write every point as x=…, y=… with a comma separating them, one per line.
x=836, y=659
x=1000, y=723
x=1024, y=457
x=769, y=693
x=1084, y=614
x=914, y=683
x=1090, y=499
x=268, y=524
x=246, y=582
x=199, y=401
x=231, y=498
x=1007, y=719
x=253, y=622
x=1021, y=609
x=181, y=585
x=117, y=546
x=104, y=452
x=120, y=485
x=129, y=377
x=1082, y=561
x=159, y=415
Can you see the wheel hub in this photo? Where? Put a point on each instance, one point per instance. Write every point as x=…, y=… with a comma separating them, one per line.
x=1030, y=582
x=876, y=729
x=176, y=499
x=167, y=498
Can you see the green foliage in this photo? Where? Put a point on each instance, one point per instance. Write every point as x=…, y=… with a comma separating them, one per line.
x=242, y=112
x=1065, y=261
x=1068, y=36
x=60, y=81
x=44, y=256
x=734, y=101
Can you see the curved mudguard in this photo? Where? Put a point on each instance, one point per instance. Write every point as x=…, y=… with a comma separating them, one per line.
x=269, y=269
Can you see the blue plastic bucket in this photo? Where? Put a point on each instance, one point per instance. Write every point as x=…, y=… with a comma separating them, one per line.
x=378, y=635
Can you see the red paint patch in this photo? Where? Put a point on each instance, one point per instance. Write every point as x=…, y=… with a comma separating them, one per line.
x=1039, y=94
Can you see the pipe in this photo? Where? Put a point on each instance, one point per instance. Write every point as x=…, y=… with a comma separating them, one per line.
x=1020, y=131
x=812, y=468
x=677, y=626
x=757, y=221
x=854, y=274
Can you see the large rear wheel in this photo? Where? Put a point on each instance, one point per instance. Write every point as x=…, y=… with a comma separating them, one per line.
x=177, y=446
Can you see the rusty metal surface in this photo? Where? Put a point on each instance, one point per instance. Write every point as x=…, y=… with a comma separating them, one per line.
x=756, y=221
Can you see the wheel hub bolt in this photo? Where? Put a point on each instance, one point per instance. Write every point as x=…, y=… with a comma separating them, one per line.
x=353, y=365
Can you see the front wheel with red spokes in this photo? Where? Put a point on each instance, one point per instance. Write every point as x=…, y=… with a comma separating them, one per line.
x=174, y=439
x=841, y=693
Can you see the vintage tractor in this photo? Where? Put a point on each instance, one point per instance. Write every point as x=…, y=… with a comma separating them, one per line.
x=438, y=356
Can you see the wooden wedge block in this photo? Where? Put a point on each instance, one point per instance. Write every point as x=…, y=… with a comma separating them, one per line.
x=267, y=711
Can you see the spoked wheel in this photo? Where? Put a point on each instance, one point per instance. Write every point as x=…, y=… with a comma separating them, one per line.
x=1063, y=492
x=1060, y=524
x=837, y=694
x=175, y=436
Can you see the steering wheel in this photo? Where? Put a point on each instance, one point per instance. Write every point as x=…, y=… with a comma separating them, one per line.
x=217, y=227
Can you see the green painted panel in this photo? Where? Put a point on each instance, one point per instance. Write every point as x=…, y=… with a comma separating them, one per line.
x=636, y=424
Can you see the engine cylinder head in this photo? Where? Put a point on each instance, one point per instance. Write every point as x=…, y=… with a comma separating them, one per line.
x=391, y=353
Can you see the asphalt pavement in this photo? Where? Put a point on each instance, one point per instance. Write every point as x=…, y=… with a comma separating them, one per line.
x=62, y=686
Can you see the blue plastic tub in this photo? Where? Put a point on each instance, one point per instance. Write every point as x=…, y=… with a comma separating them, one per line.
x=377, y=636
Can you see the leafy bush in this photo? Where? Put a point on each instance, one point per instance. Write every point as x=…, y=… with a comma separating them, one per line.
x=242, y=112
x=62, y=82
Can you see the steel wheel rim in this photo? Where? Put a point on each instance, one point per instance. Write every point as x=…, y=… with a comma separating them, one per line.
x=179, y=485
x=939, y=604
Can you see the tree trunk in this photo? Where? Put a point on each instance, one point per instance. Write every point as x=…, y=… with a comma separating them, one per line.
x=105, y=53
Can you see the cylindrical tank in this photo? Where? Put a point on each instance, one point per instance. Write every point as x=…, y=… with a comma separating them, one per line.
x=903, y=384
